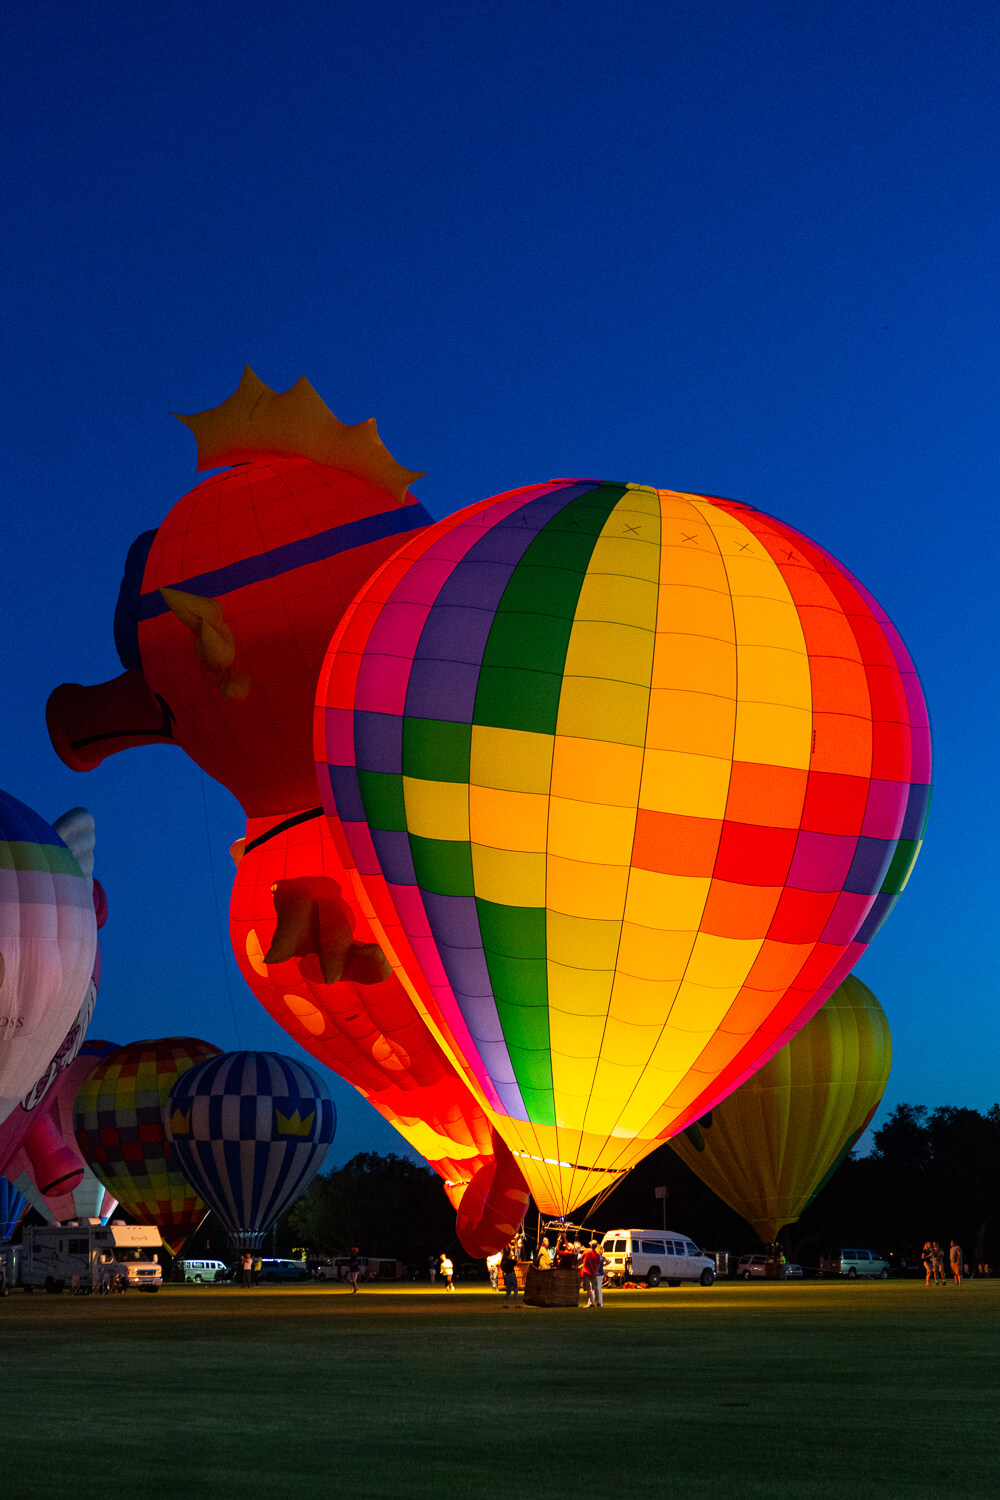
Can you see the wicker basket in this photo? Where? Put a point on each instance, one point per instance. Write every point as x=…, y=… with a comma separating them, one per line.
x=559, y=1287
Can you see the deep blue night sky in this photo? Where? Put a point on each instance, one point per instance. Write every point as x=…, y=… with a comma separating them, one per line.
x=706, y=246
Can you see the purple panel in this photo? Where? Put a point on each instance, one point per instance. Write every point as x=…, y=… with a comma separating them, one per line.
x=510, y=1097
x=868, y=868
x=378, y=742
x=479, y=1014
x=455, y=633
x=394, y=857
x=453, y=920
x=346, y=794
x=466, y=969
x=821, y=861
x=442, y=690
x=475, y=583
x=916, y=812
x=881, y=907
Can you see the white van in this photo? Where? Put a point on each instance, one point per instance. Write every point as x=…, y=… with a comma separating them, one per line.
x=202, y=1270
x=853, y=1263
x=655, y=1255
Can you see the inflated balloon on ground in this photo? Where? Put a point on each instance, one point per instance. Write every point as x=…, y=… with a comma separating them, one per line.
x=629, y=778
x=250, y=1130
x=772, y=1146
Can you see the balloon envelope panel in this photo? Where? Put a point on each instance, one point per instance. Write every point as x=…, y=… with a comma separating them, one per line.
x=251, y=1130
x=771, y=1146
x=13, y=1207
x=630, y=777
x=48, y=941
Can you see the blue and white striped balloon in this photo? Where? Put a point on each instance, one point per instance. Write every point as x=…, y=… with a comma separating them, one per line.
x=250, y=1131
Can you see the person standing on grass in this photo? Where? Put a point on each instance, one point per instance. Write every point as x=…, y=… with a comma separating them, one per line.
x=257, y=1268
x=508, y=1270
x=354, y=1269
x=938, y=1263
x=447, y=1271
x=246, y=1264
x=432, y=1268
x=592, y=1269
x=955, y=1258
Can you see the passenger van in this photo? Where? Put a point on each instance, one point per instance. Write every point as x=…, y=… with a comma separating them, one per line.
x=654, y=1255
x=853, y=1263
x=202, y=1270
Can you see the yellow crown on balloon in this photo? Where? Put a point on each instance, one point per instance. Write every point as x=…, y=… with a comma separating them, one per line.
x=294, y=1124
x=180, y=1123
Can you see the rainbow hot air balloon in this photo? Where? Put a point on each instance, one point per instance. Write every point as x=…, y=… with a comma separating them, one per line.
x=118, y=1117
x=250, y=1130
x=629, y=778
x=48, y=939
x=772, y=1146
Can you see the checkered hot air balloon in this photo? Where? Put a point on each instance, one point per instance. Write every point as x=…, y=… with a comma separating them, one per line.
x=629, y=778
x=250, y=1130
x=118, y=1118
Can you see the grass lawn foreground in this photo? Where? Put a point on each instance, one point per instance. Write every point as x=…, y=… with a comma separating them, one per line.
x=879, y=1389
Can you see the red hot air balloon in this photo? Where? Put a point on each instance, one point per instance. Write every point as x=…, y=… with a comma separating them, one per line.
x=224, y=616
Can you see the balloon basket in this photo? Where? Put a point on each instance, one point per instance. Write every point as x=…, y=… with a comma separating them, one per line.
x=559, y=1287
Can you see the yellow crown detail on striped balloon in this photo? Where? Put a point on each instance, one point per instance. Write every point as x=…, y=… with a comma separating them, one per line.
x=294, y=1124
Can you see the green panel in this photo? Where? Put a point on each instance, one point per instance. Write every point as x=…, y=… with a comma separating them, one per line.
x=512, y=698
x=514, y=947
x=521, y=677
x=434, y=750
x=443, y=866
x=382, y=796
x=902, y=863
x=52, y=859
x=527, y=640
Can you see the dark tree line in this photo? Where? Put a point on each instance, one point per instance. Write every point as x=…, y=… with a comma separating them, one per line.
x=932, y=1174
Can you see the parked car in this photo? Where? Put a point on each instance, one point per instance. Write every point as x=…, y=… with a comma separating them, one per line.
x=199, y=1270
x=793, y=1271
x=853, y=1263
x=756, y=1265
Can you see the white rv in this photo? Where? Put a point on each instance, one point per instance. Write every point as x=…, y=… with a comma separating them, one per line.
x=88, y=1256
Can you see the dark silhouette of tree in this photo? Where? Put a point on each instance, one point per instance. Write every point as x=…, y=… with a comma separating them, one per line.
x=387, y=1205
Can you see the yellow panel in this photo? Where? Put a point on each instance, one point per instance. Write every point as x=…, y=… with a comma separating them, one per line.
x=697, y=723
x=510, y=759
x=698, y=1011
x=436, y=809
x=620, y=557
x=752, y=575
x=629, y=601
x=510, y=879
x=596, y=771
x=773, y=735
x=578, y=991
x=672, y=902
x=621, y=653
x=574, y=1042
x=695, y=662
x=767, y=622
x=695, y=785
x=593, y=709
x=626, y=1045
x=720, y=962
x=646, y=953
x=645, y=1002
x=581, y=943
x=590, y=832
x=771, y=674
x=583, y=890
x=508, y=820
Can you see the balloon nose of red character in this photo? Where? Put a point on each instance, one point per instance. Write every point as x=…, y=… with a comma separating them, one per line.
x=87, y=724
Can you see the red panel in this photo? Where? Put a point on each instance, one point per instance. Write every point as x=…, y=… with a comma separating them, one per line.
x=835, y=804
x=802, y=915
x=753, y=855
x=891, y=754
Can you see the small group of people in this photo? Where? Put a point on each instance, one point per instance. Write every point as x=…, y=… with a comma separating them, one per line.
x=250, y=1267
x=569, y=1254
x=933, y=1258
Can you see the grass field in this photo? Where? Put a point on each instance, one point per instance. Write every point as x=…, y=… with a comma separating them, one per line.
x=837, y=1390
